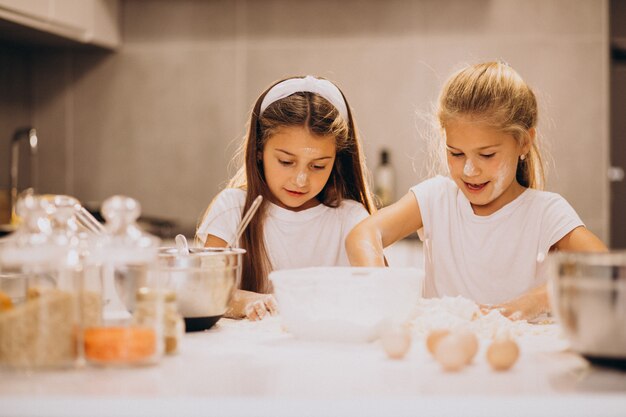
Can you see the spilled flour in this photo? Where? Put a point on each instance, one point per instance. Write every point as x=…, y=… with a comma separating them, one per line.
x=455, y=312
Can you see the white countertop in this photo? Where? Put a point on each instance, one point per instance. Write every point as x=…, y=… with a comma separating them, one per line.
x=242, y=368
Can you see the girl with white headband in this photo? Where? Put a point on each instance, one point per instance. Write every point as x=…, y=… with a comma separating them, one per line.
x=302, y=154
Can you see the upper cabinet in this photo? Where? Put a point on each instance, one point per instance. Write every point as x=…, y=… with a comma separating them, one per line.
x=93, y=22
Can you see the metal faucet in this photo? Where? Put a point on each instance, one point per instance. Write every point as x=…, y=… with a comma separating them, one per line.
x=31, y=134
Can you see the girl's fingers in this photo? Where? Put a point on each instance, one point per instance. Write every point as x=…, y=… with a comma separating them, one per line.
x=251, y=313
x=484, y=308
x=272, y=306
x=259, y=307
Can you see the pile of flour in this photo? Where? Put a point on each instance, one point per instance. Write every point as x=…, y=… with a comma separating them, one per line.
x=457, y=312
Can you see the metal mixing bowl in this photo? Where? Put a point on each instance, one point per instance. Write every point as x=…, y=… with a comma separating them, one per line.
x=588, y=297
x=204, y=281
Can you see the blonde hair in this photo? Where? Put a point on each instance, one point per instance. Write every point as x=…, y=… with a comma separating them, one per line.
x=348, y=178
x=494, y=93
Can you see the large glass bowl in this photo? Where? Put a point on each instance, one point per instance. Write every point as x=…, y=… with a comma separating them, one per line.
x=345, y=304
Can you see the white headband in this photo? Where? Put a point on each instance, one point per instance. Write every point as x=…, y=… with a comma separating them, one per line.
x=309, y=84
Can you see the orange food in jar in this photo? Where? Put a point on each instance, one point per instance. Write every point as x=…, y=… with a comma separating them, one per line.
x=122, y=345
x=5, y=302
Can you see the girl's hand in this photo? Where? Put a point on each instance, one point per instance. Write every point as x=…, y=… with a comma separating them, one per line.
x=251, y=305
x=527, y=306
x=258, y=308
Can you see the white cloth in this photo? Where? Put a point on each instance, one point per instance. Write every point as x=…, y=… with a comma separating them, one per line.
x=312, y=237
x=489, y=259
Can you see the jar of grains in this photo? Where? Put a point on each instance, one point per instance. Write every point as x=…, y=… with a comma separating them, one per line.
x=173, y=323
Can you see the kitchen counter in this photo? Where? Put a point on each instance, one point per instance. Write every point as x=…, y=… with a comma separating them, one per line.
x=242, y=368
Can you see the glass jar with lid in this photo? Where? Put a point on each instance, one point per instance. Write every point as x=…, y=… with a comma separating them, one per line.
x=41, y=272
x=148, y=302
x=127, y=255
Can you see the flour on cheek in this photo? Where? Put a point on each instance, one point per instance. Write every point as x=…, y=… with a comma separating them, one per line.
x=499, y=183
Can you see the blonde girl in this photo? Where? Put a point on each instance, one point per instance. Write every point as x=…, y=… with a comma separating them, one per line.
x=302, y=154
x=487, y=225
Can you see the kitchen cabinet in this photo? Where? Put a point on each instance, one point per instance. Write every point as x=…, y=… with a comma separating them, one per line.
x=93, y=22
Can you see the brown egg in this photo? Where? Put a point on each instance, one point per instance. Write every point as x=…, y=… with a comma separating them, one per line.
x=470, y=343
x=502, y=354
x=434, y=337
x=451, y=353
x=396, y=342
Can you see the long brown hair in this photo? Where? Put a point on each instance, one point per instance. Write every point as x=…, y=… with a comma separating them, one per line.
x=495, y=94
x=348, y=178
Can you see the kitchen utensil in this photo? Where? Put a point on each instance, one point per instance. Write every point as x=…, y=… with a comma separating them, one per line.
x=181, y=245
x=246, y=219
x=345, y=304
x=31, y=134
x=204, y=281
x=88, y=220
x=588, y=297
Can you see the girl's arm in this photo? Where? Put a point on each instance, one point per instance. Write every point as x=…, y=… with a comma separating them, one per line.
x=365, y=243
x=248, y=304
x=535, y=302
x=580, y=240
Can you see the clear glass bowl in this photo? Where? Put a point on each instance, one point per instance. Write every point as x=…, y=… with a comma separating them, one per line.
x=345, y=304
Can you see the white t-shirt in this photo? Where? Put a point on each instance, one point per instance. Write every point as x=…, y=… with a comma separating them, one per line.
x=311, y=237
x=489, y=259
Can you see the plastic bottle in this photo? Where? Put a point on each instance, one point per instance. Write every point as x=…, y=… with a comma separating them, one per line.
x=384, y=180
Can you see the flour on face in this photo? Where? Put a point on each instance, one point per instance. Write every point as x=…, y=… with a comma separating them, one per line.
x=501, y=175
x=301, y=179
x=469, y=169
x=310, y=151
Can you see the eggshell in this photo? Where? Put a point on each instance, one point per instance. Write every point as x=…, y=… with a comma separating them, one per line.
x=433, y=339
x=451, y=353
x=502, y=354
x=396, y=342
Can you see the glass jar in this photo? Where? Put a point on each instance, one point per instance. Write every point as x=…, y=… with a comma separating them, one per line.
x=40, y=280
x=173, y=323
x=127, y=254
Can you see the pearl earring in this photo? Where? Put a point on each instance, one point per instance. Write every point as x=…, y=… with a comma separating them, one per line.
x=522, y=157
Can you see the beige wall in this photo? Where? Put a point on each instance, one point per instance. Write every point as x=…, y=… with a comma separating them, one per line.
x=157, y=119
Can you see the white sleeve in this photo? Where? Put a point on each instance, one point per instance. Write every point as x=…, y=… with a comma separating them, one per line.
x=426, y=193
x=559, y=218
x=223, y=216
